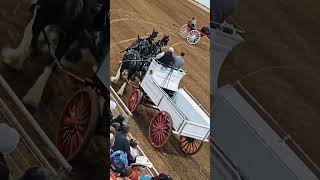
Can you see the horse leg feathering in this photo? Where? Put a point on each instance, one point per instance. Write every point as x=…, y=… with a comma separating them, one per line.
x=115, y=79
x=121, y=90
x=16, y=57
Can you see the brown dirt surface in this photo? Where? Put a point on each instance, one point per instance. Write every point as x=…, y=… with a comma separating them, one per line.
x=132, y=18
x=282, y=48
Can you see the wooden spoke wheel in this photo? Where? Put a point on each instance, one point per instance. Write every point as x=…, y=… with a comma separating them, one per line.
x=160, y=129
x=189, y=145
x=184, y=30
x=77, y=123
x=193, y=37
x=134, y=100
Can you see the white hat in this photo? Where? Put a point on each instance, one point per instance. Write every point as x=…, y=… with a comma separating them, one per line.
x=171, y=49
x=113, y=105
x=142, y=161
x=9, y=139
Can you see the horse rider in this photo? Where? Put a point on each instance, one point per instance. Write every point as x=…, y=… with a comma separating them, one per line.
x=193, y=23
x=166, y=58
x=178, y=61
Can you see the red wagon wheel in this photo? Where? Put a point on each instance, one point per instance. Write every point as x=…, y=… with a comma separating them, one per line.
x=160, y=129
x=134, y=100
x=189, y=145
x=77, y=123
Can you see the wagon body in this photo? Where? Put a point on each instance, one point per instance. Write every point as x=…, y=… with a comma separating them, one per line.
x=188, y=118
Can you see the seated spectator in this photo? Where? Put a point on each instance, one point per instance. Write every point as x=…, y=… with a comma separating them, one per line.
x=9, y=139
x=124, y=175
x=113, y=106
x=161, y=176
x=122, y=143
x=138, y=167
x=120, y=119
x=113, y=130
x=36, y=173
x=178, y=61
x=133, y=148
x=112, y=140
x=116, y=126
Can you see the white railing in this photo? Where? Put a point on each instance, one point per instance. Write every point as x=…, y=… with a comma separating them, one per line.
x=125, y=111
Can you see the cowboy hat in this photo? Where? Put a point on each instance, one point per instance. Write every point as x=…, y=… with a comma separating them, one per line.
x=142, y=161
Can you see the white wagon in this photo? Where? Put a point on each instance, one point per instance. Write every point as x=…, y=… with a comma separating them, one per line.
x=178, y=112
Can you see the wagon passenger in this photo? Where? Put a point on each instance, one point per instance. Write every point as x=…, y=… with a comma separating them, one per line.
x=167, y=59
x=178, y=61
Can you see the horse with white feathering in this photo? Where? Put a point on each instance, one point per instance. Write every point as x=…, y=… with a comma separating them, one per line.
x=136, y=59
x=74, y=22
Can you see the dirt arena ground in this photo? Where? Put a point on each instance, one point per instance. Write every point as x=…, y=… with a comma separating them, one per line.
x=132, y=18
x=279, y=64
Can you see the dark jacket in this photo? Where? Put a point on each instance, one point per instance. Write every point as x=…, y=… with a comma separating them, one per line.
x=167, y=59
x=121, y=143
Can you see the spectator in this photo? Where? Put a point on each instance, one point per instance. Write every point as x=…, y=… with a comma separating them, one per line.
x=113, y=106
x=137, y=168
x=161, y=176
x=178, y=61
x=121, y=142
x=36, y=173
x=112, y=140
x=120, y=119
x=133, y=148
x=113, y=130
x=116, y=126
x=124, y=175
x=9, y=139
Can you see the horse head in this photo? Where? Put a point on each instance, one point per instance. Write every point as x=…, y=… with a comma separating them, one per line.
x=164, y=41
x=153, y=35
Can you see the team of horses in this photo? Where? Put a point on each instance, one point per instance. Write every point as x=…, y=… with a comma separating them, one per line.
x=136, y=59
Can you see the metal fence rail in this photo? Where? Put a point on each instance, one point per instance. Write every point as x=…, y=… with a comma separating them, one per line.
x=124, y=110
x=64, y=166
